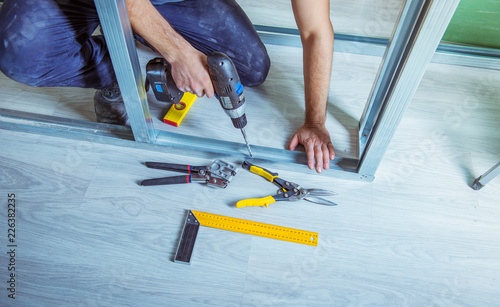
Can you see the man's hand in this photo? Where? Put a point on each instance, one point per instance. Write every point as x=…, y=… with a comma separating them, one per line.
x=316, y=141
x=190, y=74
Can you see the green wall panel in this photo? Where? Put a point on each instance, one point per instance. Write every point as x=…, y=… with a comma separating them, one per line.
x=477, y=23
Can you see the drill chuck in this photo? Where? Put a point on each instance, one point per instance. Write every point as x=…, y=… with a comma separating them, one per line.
x=239, y=122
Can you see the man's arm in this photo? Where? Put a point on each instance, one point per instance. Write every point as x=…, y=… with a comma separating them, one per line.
x=189, y=66
x=316, y=33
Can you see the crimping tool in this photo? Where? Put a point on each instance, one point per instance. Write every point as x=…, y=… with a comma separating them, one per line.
x=288, y=190
x=217, y=174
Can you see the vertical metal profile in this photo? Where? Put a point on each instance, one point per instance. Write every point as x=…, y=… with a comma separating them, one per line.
x=395, y=52
x=121, y=45
x=420, y=27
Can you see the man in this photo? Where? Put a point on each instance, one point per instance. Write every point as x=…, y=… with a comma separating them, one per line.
x=50, y=43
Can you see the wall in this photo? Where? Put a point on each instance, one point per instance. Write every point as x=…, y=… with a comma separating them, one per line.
x=477, y=23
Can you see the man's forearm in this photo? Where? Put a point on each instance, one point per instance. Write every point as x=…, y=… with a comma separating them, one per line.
x=149, y=24
x=316, y=34
x=318, y=56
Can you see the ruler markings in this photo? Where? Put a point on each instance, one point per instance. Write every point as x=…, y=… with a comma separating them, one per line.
x=195, y=219
x=257, y=228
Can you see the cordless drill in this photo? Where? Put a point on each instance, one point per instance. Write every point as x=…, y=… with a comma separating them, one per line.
x=227, y=85
x=229, y=90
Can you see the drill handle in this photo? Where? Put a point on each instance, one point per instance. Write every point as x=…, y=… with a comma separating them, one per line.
x=226, y=81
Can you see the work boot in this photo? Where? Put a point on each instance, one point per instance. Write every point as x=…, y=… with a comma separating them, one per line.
x=109, y=107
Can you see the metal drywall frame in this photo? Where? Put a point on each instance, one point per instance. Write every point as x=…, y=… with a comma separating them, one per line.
x=423, y=31
x=418, y=32
x=113, y=15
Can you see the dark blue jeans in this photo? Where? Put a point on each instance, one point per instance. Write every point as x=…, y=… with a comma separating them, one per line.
x=50, y=42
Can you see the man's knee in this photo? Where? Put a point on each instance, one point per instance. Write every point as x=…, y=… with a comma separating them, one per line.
x=20, y=68
x=30, y=47
x=256, y=68
x=28, y=60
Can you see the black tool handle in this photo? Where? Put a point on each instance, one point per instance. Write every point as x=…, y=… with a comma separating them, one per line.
x=185, y=168
x=167, y=180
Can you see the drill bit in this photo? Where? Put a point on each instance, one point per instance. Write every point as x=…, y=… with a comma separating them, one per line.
x=245, y=137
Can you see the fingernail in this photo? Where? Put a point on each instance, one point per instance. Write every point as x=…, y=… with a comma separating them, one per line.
x=311, y=166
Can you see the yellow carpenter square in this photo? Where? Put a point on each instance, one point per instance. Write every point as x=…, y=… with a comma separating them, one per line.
x=256, y=228
x=177, y=111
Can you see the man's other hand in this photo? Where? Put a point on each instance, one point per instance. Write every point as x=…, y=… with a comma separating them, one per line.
x=319, y=148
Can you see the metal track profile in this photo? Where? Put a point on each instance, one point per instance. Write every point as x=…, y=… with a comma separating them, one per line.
x=446, y=53
x=174, y=143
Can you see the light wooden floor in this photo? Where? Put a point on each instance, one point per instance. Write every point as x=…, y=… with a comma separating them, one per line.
x=88, y=235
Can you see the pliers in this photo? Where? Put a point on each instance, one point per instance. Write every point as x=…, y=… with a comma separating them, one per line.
x=287, y=190
x=217, y=174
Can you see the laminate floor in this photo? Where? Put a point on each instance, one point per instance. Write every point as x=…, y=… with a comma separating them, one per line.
x=87, y=234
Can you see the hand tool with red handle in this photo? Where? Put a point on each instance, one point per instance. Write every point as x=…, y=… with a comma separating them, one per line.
x=218, y=174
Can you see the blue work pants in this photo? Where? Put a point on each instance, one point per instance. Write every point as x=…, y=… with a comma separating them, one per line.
x=50, y=42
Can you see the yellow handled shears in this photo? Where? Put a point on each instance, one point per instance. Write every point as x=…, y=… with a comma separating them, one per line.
x=288, y=190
